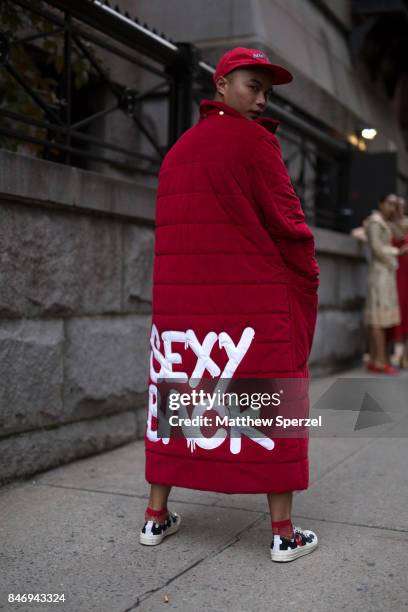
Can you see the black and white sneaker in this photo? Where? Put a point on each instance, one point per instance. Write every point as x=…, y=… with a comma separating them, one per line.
x=286, y=549
x=154, y=533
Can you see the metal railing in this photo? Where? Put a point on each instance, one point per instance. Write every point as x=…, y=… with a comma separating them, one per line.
x=60, y=133
x=66, y=130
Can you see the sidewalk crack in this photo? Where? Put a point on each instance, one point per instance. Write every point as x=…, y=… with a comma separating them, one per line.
x=236, y=538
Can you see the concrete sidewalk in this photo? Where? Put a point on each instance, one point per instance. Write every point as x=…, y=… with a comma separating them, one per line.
x=74, y=530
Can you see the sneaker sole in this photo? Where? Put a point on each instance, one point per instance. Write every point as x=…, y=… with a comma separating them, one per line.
x=283, y=557
x=153, y=540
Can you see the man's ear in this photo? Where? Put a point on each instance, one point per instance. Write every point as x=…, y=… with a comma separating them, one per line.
x=220, y=85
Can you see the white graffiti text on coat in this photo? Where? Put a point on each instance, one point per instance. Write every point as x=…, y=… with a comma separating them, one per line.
x=165, y=355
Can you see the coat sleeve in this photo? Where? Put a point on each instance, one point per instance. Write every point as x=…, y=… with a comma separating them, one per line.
x=359, y=233
x=385, y=253
x=282, y=214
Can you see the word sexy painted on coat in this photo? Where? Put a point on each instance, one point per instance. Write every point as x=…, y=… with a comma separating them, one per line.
x=202, y=351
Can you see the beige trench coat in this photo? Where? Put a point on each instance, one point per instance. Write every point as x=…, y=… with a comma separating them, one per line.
x=382, y=307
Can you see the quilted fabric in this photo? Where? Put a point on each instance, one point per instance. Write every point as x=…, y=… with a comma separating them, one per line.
x=232, y=253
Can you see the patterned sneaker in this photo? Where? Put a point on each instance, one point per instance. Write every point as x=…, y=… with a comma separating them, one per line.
x=154, y=533
x=285, y=549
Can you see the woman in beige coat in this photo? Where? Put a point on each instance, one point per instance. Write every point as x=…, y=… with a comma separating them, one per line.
x=382, y=308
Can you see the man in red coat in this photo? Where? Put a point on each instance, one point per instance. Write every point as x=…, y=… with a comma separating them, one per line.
x=234, y=297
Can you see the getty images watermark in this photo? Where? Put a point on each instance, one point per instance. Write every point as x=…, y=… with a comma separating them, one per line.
x=254, y=408
x=232, y=414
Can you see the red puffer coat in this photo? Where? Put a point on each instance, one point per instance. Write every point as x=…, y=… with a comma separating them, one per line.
x=234, y=295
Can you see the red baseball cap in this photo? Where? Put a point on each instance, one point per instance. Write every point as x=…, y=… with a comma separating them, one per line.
x=241, y=56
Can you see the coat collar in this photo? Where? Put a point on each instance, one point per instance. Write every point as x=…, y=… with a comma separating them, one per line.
x=213, y=107
x=377, y=217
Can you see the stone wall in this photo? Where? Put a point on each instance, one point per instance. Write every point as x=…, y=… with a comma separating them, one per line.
x=340, y=335
x=76, y=258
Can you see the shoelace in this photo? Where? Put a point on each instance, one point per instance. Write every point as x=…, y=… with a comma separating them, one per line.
x=307, y=537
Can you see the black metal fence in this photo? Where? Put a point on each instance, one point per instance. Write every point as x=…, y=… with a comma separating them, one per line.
x=101, y=73
x=59, y=127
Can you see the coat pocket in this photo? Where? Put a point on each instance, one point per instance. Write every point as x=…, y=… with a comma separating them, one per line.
x=303, y=309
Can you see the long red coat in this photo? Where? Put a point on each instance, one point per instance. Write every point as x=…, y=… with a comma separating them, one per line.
x=401, y=330
x=234, y=268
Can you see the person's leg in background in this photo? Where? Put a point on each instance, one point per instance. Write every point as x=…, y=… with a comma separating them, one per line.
x=378, y=355
x=379, y=358
x=404, y=358
x=398, y=352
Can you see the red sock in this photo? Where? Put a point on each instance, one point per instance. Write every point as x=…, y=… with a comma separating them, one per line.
x=158, y=515
x=284, y=528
